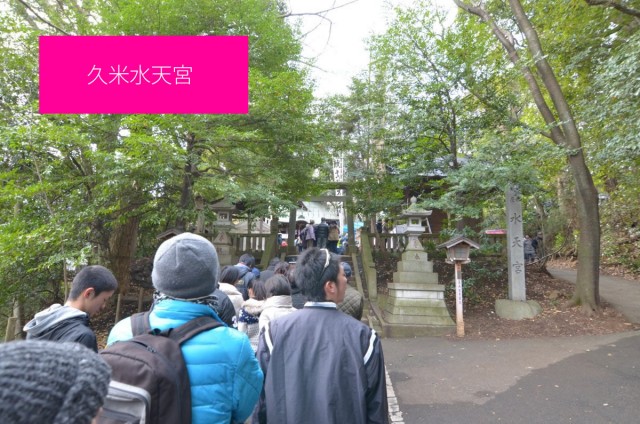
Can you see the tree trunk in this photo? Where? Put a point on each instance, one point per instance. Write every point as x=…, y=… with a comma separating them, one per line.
x=187, y=184
x=565, y=133
x=587, y=291
x=588, y=279
x=122, y=249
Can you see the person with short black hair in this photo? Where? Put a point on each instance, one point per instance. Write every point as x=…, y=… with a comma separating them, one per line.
x=297, y=298
x=245, y=267
x=48, y=382
x=335, y=361
x=309, y=235
x=278, y=303
x=90, y=290
x=270, y=270
x=282, y=268
x=322, y=233
x=227, y=284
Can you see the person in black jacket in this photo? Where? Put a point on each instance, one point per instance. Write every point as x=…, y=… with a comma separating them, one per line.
x=320, y=365
x=246, y=276
x=90, y=290
x=270, y=271
x=322, y=233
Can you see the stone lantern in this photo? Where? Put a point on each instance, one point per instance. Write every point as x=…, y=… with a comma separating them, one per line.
x=414, y=215
x=223, y=211
x=415, y=303
x=223, y=224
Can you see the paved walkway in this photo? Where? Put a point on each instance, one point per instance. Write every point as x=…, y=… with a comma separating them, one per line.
x=623, y=295
x=585, y=379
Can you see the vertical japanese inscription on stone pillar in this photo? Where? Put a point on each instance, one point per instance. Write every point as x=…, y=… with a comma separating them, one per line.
x=515, y=248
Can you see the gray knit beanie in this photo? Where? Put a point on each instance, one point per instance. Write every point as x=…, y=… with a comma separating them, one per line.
x=49, y=382
x=185, y=267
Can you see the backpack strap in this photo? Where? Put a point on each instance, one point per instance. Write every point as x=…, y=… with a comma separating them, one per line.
x=242, y=272
x=140, y=323
x=195, y=326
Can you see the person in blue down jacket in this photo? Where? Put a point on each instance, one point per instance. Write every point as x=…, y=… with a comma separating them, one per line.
x=225, y=376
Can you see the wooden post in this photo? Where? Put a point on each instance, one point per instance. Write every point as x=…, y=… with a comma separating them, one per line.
x=291, y=233
x=459, y=318
x=118, y=305
x=140, y=298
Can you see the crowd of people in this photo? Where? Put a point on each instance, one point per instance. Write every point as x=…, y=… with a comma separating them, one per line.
x=532, y=248
x=291, y=347
x=325, y=234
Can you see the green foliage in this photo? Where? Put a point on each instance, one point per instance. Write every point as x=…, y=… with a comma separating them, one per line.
x=480, y=272
x=69, y=184
x=621, y=232
x=440, y=108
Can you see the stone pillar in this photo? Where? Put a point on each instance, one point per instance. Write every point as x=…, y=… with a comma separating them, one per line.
x=515, y=247
x=516, y=307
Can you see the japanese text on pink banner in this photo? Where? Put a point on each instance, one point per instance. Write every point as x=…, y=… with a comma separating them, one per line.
x=118, y=74
x=144, y=74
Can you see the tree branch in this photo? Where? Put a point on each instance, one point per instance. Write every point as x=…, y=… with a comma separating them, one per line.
x=318, y=13
x=616, y=5
x=507, y=42
x=40, y=18
x=548, y=76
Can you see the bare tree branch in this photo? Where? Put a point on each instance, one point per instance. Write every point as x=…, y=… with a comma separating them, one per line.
x=506, y=40
x=41, y=19
x=616, y=5
x=319, y=12
x=548, y=76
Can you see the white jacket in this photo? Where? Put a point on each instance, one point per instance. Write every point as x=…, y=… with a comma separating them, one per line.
x=275, y=307
x=234, y=295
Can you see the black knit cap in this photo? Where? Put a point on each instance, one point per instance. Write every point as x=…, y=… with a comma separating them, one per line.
x=48, y=382
x=347, y=269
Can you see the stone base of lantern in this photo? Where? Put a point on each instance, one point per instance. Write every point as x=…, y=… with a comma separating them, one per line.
x=415, y=304
x=223, y=246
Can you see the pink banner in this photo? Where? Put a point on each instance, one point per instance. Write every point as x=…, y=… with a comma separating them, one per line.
x=144, y=74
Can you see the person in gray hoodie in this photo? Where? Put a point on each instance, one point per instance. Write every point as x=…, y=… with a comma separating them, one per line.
x=90, y=290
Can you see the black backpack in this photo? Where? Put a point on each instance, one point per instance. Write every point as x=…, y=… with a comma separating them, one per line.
x=244, y=278
x=149, y=379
